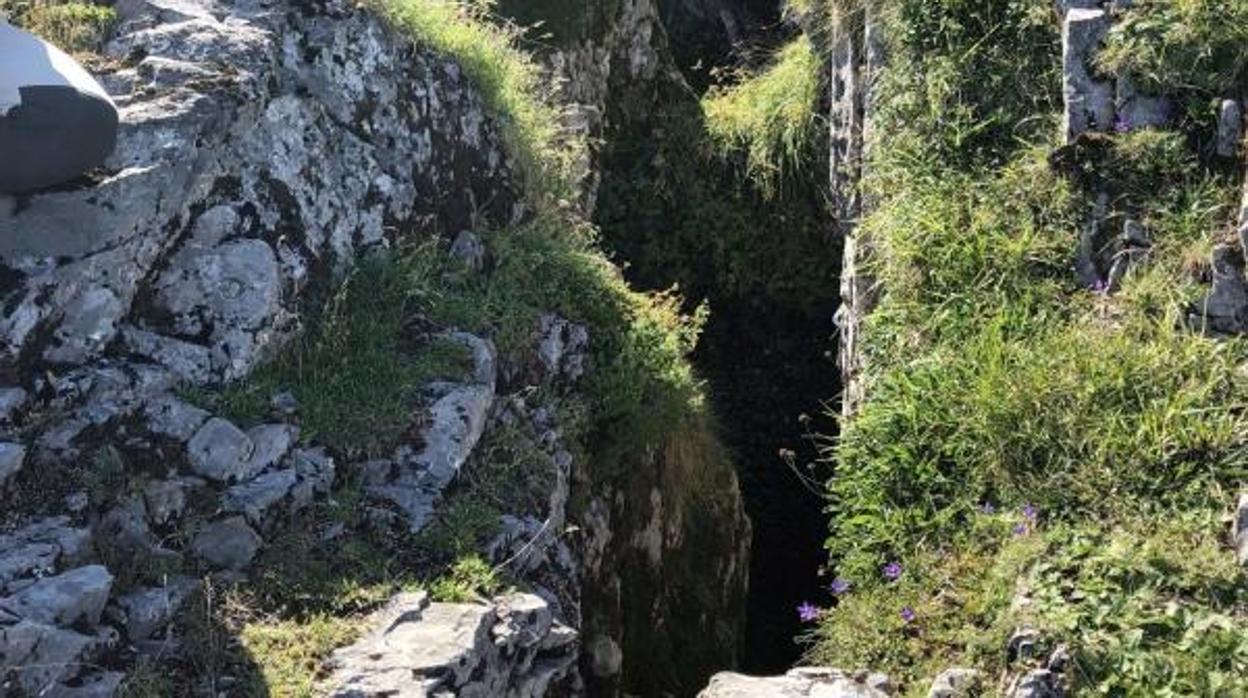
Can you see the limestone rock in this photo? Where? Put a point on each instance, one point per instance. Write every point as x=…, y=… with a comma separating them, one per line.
x=1239, y=530
x=221, y=452
x=563, y=347
x=1230, y=128
x=803, y=682
x=419, y=649
x=64, y=599
x=230, y=543
x=1089, y=101
x=1225, y=309
x=172, y=418
x=254, y=499
x=39, y=547
x=12, y=457
x=955, y=683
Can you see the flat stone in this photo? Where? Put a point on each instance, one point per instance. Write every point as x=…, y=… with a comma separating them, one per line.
x=228, y=544
x=254, y=499
x=272, y=442
x=39, y=547
x=64, y=599
x=12, y=457
x=1037, y=683
x=221, y=452
x=172, y=418
x=41, y=655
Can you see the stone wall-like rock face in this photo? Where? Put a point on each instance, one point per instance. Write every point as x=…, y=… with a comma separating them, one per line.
x=263, y=147
x=262, y=144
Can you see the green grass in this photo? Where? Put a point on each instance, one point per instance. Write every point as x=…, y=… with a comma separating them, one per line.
x=771, y=117
x=995, y=377
x=1172, y=46
x=291, y=654
x=76, y=27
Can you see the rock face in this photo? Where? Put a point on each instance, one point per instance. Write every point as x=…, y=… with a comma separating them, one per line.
x=231, y=189
x=1089, y=100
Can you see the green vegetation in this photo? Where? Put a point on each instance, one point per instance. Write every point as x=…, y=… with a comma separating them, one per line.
x=76, y=27
x=997, y=379
x=771, y=116
x=1178, y=45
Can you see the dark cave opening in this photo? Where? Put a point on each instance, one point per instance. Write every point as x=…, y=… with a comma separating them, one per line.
x=675, y=212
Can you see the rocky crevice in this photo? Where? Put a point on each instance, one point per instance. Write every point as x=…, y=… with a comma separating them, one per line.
x=264, y=148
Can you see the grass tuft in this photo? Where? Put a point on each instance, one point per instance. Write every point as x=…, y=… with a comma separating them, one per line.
x=772, y=117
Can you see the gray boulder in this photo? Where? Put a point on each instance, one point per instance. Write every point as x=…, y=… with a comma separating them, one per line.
x=63, y=599
x=39, y=547
x=221, y=452
x=228, y=544
x=172, y=418
x=254, y=499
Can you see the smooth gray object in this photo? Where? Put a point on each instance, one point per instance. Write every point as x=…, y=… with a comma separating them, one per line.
x=56, y=122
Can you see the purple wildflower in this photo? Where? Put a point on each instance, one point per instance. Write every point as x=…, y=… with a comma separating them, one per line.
x=1020, y=529
x=892, y=571
x=839, y=586
x=988, y=508
x=1122, y=124
x=1029, y=511
x=908, y=614
x=808, y=612
x=1099, y=286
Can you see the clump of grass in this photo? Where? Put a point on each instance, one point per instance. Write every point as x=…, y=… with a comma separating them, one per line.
x=510, y=82
x=772, y=117
x=1181, y=45
x=469, y=579
x=76, y=27
x=290, y=655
